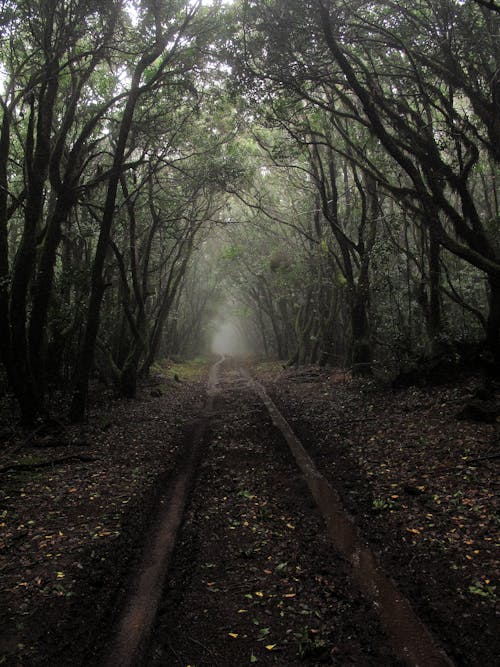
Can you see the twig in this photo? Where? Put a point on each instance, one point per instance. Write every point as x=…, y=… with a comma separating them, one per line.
x=39, y=444
x=202, y=646
x=469, y=462
x=362, y=420
x=176, y=655
x=31, y=437
x=490, y=457
x=20, y=445
x=14, y=567
x=47, y=464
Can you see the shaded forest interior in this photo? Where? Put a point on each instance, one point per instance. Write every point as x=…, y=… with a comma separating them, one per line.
x=318, y=178
x=310, y=189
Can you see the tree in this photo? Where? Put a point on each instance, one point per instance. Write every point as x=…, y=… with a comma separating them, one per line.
x=49, y=59
x=381, y=67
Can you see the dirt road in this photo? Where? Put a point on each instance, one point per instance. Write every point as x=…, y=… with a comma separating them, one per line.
x=257, y=575
x=192, y=527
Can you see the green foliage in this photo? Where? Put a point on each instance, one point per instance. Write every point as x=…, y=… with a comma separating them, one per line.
x=277, y=153
x=192, y=370
x=486, y=591
x=232, y=253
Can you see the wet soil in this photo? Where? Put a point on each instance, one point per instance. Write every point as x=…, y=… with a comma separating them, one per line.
x=421, y=485
x=256, y=579
x=71, y=533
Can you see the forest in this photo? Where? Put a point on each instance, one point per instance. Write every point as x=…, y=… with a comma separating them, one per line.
x=322, y=174
x=311, y=185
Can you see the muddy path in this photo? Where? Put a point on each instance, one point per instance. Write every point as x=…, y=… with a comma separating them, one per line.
x=203, y=533
x=133, y=627
x=255, y=577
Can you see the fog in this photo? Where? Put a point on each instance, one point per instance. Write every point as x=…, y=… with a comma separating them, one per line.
x=228, y=340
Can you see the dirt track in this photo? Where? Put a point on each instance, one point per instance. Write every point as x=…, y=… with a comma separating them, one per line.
x=255, y=576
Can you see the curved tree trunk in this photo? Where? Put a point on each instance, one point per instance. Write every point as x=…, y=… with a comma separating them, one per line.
x=36, y=171
x=85, y=361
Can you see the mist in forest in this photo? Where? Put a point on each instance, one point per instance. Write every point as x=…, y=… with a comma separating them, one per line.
x=228, y=340
x=285, y=234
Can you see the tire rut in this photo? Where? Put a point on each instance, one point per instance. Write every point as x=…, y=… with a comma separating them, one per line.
x=409, y=637
x=254, y=578
x=134, y=624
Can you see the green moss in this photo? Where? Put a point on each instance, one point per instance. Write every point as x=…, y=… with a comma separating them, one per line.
x=192, y=370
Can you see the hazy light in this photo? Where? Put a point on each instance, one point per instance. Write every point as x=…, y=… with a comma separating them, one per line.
x=228, y=341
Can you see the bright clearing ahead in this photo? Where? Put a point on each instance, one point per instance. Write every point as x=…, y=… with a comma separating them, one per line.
x=229, y=341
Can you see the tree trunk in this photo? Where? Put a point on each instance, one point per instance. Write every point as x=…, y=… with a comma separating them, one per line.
x=434, y=319
x=173, y=284
x=361, y=344
x=5, y=341
x=37, y=155
x=80, y=393
x=362, y=354
x=42, y=291
x=128, y=378
x=493, y=324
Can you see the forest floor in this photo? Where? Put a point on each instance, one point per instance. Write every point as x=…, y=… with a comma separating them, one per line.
x=254, y=578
